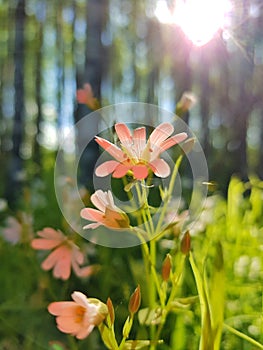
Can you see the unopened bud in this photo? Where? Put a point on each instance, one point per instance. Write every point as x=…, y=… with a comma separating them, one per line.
x=135, y=300
x=186, y=102
x=186, y=243
x=111, y=310
x=188, y=145
x=166, y=268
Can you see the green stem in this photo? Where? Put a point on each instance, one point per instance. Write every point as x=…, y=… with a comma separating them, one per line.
x=152, y=288
x=166, y=308
x=243, y=336
x=169, y=193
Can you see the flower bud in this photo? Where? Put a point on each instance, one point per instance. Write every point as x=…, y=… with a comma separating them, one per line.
x=188, y=146
x=166, y=268
x=187, y=101
x=186, y=243
x=111, y=310
x=135, y=300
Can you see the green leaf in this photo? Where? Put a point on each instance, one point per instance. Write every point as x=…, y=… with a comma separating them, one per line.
x=215, y=292
x=183, y=303
x=147, y=316
x=139, y=344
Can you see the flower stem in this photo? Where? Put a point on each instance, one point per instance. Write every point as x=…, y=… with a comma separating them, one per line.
x=243, y=336
x=169, y=194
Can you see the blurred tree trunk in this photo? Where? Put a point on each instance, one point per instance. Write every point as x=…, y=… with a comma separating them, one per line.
x=94, y=68
x=15, y=167
x=245, y=102
x=182, y=77
x=204, y=102
x=260, y=163
x=36, y=145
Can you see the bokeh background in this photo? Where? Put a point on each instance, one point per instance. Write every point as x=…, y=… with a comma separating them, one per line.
x=127, y=53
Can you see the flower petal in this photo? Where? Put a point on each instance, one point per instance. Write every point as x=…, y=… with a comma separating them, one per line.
x=139, y=141
x=80, y=299
x=68, y=325
x=84, y=332
x=160, y=168
x=85, y=271
x=92, y=214
x=66, y=308
x=77, y=255
x=44, y=244
x=124, y=134
x=173, y=141
x=50, y=233
x=99, y=200
x=161, y=133
x=62, y=268
x=120, y=171
x=92, y=226
x=106, y=168
x=112, y=149
x=140, y=171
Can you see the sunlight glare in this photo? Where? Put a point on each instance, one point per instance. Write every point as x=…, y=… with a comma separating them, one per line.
x=162, y=12
x=200, y=20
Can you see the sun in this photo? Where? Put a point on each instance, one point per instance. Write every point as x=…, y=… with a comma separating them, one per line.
x=199, y=19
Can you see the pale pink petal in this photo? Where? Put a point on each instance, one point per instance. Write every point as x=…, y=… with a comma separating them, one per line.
x=140, y=172
x=121, y=171
x=173, y=141
x=85, y=271
x=68, y=325
x=92, y=226
x=160, y=168
x=50, y=261
x=139, y=140
x=84, y=332
x=99, y=201
x=112, y=149
x=161, y=133
x=50, y=233
x=124, y=134
x=77, y=255
x=44, y=244
x=106, y=168
x=80, y=299
x=12, y=232
x=62, y=268
x=91, y=214
x=67, y=308
x=111, y=201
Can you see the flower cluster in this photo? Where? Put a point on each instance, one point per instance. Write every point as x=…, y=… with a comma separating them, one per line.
x=137, y=157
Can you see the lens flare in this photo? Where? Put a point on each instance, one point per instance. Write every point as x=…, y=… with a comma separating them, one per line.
x=200, y=20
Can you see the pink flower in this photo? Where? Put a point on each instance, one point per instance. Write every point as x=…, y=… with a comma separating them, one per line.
x=12, y=233
x=108, y=215
x=137, y=155
x=86, y=97
x=64, y=256
x=80, y=316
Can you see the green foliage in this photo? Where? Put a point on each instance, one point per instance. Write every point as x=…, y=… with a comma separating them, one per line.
x=225, y=261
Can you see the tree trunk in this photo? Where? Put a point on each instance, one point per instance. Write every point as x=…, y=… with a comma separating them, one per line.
x=16, y=164
x=94, y=67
